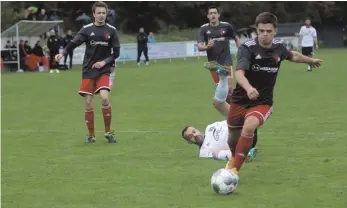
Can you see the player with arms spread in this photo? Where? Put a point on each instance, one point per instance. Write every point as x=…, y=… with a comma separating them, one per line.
x=102, y=48
x=258, y=64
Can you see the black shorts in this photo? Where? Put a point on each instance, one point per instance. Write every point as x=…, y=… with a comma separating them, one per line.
x=307, y=51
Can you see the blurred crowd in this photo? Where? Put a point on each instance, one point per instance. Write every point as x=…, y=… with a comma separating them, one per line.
x=51, y=43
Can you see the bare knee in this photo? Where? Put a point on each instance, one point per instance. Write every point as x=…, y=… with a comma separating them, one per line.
x=88, y=102
x=251, y=123
x=222, y=108
x=104, y=97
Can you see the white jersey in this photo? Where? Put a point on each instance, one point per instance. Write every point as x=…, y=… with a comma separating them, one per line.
x=216, y=138
x=308, y=34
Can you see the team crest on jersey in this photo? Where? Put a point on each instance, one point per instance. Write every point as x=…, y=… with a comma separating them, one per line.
x=215, y=132
x=107, y=36
x=222, y=32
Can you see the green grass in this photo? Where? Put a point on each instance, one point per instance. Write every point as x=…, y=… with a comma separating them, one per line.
x=45, y=163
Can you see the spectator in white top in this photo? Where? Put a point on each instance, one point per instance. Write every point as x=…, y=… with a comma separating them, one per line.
x=308, y=39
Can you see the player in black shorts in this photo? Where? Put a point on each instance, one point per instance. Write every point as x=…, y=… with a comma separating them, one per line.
x=308, y=38
x=100, y=38
x=258, y=63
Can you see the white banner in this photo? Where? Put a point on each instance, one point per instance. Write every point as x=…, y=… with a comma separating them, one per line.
x=168, y=50
x=291, y=43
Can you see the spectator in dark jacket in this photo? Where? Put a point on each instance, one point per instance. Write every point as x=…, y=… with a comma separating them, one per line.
x=142, y=40
x=67, y=39
x=53, y=44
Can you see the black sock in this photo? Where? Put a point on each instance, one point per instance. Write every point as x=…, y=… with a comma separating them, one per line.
x=255, y=138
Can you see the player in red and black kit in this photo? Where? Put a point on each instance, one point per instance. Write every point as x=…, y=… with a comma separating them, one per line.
x=258, y=64
x=213, y=37
x=102, y=48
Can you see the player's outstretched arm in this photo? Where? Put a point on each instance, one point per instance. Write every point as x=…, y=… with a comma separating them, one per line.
x=299, y=58
x=80, y=38
x=223, y=154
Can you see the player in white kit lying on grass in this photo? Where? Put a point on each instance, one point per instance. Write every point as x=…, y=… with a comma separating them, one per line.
x=214, y=143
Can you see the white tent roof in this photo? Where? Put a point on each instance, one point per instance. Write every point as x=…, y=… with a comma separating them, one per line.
x=30, y=28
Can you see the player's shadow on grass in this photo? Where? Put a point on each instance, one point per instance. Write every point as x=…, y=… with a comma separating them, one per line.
x=228, y=195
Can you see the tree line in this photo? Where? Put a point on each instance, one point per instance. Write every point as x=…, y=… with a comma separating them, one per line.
x=161, y=17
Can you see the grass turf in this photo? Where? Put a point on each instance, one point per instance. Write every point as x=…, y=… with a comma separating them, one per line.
x=45, y=162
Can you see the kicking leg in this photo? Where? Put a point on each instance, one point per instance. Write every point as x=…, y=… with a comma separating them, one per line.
x=220, y=96
x=233, y=138
x=245, y=141
x=253, y=151
x=254, y=118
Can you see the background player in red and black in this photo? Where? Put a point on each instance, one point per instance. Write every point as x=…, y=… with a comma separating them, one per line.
x=102, y=48
x=258, y=64
x=214, y=38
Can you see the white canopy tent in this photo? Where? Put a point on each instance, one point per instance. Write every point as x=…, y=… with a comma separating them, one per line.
x=27, y=28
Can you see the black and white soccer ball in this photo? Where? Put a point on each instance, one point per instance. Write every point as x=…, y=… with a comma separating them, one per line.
x=224, y=181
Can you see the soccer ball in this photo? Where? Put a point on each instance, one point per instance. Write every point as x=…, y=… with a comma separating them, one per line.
x=224, y=181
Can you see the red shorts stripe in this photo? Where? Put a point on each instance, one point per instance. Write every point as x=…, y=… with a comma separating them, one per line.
x=93, y=86
x=238, y=114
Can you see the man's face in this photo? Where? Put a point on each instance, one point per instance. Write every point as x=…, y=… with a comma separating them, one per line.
x=69, y=32
x=213, y=15
x=100, y=14
x=308, y=22
x=193, y=135
x=266, y=33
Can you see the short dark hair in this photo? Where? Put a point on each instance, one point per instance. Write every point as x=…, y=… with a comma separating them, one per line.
x=99, y=4
x=184, y=131
x=212, y=7
x=266, y=18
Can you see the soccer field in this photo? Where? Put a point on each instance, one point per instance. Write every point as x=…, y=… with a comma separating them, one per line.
x=46, y=164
